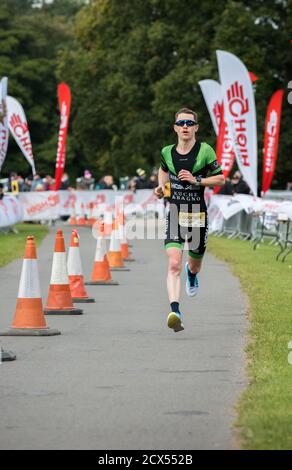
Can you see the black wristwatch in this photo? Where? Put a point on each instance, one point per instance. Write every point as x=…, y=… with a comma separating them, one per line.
x=198, y=180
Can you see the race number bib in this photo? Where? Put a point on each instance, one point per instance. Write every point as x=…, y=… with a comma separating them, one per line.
x=189, y=219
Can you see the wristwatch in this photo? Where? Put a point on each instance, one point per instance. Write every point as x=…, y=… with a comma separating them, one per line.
x=198, y=180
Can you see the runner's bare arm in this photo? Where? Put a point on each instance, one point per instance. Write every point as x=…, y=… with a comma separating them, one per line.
x=216, y=180
x=163, y=178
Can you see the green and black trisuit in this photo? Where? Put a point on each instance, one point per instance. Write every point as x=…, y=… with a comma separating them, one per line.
x=187, y=215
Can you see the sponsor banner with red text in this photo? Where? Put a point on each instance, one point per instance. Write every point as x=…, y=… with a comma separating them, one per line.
x=10, y=211
x=19, y=129
x=213, y=95
x=40, y=205
x=272, y=130
x=50, y=205
x=240, y=113
x=64, y=97
x=4, y=132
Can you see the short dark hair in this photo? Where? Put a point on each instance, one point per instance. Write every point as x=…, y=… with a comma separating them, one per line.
x=186, y=111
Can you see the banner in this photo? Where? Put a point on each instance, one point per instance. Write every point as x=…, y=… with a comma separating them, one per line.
x=213, y=95
x=239, y=106
x=272, y=129
x=4, y=133
x=19, y=129
x=64, y=96
x=10, y=211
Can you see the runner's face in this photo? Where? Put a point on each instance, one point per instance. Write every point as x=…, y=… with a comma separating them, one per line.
x=186, y=133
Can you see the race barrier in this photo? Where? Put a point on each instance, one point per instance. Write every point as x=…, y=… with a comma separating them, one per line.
x=51, y=205
x=11, y=211
x=253, y=219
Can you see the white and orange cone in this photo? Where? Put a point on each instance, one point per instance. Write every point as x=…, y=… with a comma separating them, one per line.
x=114, y=254
x=59, y=299
x=75, y=273
x=108, y=221
x=123, y=238
x=29, y=317
x=73, y=219
x=101, y=274
x=82, y=219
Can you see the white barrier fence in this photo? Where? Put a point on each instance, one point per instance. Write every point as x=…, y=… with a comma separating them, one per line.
x=10, y=211
x=51, y=205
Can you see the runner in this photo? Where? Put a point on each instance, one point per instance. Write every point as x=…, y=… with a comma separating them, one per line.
x=188, y=168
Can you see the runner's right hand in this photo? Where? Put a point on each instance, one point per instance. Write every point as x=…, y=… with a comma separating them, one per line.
x=159, y=191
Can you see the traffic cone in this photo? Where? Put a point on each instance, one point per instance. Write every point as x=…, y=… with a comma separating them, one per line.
x=82, y=219
x=108, y=221
x=6, y=355
x=75, y=273
x=29, y=317
x=72, y=219
x=114, y=254
x=59, y=298
x=101, y=274
x=123, y=238
x=91, y=220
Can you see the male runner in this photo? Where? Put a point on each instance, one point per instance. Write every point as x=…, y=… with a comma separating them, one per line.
x=189, y=167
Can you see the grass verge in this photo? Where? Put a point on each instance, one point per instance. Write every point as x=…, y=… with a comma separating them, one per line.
x=265, y=407
x=12, y=244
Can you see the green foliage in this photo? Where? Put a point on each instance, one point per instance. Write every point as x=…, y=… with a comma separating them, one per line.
x=30, y=41
x=130, y=66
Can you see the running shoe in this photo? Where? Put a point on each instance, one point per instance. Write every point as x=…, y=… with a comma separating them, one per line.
x=192, y=283
x=174, y=321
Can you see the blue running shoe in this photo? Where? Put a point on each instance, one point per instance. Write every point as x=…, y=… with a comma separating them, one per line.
x=192, y=283
x=174, y=321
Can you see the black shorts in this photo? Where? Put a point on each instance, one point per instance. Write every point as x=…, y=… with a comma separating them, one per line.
x=186, y=229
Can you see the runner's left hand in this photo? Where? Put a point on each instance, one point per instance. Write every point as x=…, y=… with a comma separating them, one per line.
x=185, y=175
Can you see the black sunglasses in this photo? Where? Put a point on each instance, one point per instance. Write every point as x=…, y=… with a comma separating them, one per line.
x=187, y=122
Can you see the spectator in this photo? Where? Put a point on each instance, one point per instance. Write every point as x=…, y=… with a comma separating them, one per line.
x=227, y=189
x=153, y=182
x=37, y=184
x=86, y=181
x=65, y=183
x=239, y=185
x=107, y=182
x=27, y=183
x=16, y=183
x=142, y=182
x=49, y=183
x=132, y=185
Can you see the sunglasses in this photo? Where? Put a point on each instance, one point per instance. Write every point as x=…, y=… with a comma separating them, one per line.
x=187, y=122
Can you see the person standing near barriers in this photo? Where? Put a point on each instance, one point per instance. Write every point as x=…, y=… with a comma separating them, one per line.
x=187, y=168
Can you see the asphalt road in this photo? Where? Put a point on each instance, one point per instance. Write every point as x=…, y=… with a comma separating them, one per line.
x=117, y=377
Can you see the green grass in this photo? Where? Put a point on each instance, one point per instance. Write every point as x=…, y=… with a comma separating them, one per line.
x=265, y=407
x=12, y=245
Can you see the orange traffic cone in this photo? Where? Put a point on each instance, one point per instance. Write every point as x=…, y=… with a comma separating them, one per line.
x=75, y=273
x=92, y=219
x=115, y=255
x=73, y=220
x=108, y=221
x=29, y=317
x=82, y=219
x=59, y=298
x=101, y=274
x=123, y=238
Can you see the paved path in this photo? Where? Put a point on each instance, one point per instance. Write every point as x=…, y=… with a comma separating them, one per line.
x=117, y=377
